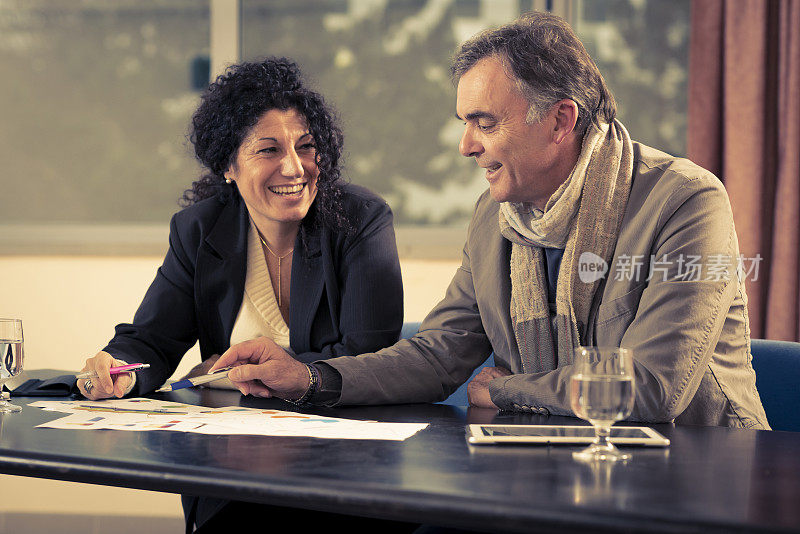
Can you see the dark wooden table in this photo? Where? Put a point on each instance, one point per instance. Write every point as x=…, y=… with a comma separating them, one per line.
x=708, y=480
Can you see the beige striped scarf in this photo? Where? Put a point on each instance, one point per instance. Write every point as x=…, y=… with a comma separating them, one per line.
x=583, y=215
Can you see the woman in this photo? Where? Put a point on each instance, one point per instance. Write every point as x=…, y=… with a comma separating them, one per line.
x=271, y=244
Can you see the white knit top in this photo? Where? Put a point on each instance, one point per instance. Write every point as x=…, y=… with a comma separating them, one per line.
x=259, y=314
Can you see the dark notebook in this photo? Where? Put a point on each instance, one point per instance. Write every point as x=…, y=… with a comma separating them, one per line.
x=60, y=386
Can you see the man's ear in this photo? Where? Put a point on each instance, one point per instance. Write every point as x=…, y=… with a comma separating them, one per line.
x=565, y=113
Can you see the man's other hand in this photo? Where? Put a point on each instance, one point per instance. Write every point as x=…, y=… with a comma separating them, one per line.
x=478, y=388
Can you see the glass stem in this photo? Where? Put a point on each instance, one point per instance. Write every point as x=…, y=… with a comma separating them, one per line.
x=603, y=431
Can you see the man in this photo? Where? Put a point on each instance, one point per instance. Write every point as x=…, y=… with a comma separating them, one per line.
x=584, y=238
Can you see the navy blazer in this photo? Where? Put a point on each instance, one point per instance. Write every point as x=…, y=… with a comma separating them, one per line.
x=346, y=289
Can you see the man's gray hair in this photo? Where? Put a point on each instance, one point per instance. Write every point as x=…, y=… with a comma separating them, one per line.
x=548, y=63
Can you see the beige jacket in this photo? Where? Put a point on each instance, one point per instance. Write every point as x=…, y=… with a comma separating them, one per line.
x=690, y=337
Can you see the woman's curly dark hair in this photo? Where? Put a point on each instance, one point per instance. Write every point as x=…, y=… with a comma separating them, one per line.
x=234, y=103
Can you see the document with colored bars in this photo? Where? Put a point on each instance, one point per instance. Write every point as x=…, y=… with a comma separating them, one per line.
x=148, y=414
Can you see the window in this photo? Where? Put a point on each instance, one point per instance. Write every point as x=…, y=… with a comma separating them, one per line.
x=384, y=65
x=99, y=94
x=97, y=97
x=642, y=49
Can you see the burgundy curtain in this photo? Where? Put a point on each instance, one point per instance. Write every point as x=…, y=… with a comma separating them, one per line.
x=744, y=126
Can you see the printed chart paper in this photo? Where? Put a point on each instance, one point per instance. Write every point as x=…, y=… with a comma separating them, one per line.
x=149, y=414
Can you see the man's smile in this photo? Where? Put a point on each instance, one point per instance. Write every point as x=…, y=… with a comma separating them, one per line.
x=491, y=170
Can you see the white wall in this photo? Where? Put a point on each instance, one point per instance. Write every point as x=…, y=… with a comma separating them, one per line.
x=69, y=307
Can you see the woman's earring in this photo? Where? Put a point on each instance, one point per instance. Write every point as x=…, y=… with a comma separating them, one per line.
x=228, y=180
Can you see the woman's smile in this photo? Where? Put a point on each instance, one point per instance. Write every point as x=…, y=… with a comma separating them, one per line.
x=295, y=190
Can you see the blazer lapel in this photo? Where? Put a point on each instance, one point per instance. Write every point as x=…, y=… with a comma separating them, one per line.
x=221, y=270
x=306, y=287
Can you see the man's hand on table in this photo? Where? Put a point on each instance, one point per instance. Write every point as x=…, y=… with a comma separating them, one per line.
x=264, y=369
x=478, y=388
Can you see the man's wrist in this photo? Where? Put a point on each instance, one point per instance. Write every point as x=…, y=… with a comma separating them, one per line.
x=313, y=381
x=329, y=389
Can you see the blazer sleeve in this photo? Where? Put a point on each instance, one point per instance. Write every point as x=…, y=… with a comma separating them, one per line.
x=165, y=325
x=367, y=274
x=678, y=321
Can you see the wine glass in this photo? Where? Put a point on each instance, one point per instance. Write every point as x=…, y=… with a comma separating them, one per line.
x=11, y=357
x=602, y=392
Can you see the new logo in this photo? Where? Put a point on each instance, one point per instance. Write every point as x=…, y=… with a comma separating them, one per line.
x=591, y=267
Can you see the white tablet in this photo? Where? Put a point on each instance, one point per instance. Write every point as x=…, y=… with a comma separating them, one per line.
x=561, y=434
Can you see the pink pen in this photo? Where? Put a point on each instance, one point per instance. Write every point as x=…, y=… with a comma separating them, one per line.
x=116, y=370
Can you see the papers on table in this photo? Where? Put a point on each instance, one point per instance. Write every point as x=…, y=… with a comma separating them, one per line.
x=149, y=414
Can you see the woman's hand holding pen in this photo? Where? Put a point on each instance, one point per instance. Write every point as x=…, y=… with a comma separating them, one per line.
x=105, y=385
x=264, y=369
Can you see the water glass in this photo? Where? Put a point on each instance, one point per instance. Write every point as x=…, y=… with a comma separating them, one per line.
x=11, y=358
x=602, y=392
